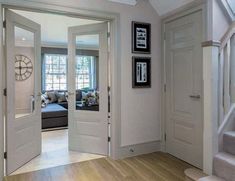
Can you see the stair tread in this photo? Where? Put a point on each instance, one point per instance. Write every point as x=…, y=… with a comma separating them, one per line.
x=229, y=142
x=230, y=133
x=224, y=166
x=194, y=174
x=229, y=158
x=211, y=178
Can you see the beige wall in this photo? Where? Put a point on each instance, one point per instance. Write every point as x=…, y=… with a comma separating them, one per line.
x=24, y=89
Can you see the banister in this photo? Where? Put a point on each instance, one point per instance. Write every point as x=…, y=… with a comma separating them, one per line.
x=227, y=36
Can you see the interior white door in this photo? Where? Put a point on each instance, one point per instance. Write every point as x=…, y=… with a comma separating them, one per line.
x=23, y=118
x=88, y=71
x=184, y=125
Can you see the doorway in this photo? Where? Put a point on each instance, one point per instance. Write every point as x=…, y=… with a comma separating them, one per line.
x=78, y=77
x=184, y=103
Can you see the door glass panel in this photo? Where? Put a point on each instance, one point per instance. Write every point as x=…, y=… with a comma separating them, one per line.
x=24, y=72
x=87, y=72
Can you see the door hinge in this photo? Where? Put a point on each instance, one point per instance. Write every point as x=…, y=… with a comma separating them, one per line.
x=4, y=24
x=165, y=137
x=164, y=87
x=164, y=36
x=108, y=34
x=5, y=155
x=109, y=139
x=5, y=92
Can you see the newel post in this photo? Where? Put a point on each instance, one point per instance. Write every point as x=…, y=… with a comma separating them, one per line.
x=211, y=103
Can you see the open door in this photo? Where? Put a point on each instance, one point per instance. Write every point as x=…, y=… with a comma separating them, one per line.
x=88, y=88
x=23, y=118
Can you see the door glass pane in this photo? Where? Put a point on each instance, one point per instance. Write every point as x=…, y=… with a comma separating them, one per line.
x=87, y=72
x=24, y=72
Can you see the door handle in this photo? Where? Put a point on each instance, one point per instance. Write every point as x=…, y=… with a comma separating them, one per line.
x=70, y=93
x=39, y=94
x=195, y=96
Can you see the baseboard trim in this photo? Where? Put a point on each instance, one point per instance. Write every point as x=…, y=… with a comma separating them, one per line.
x=54, y=129
x=139, y=149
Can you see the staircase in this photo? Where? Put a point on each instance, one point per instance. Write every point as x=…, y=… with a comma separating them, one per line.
x=224, y=160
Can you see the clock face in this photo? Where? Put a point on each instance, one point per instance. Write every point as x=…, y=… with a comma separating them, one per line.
x=23, y=67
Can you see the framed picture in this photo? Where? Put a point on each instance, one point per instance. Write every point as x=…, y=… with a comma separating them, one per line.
x=141, y=37
x=141, y=72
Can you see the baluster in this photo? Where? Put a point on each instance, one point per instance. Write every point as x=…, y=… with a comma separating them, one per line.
x=232, y=69
x=227, y=101
x=221, y=87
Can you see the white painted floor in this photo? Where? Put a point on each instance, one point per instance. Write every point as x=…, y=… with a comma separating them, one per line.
x=55, y=153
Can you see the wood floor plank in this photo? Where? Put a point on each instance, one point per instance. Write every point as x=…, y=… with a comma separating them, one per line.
x=151, y=167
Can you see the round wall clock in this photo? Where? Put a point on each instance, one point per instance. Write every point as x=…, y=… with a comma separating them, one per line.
x=23, y=67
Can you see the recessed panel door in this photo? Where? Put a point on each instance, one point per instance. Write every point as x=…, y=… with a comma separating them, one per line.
x=23, y=118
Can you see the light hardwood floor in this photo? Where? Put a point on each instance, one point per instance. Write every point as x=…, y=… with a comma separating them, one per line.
x=55, y=153
x=151, y=167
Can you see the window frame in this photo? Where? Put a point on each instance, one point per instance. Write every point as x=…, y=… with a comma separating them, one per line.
x=92, y=74
x=44, y=83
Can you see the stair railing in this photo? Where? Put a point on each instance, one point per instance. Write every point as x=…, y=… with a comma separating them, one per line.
x=226, y=75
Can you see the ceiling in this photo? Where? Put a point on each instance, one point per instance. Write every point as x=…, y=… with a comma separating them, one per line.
x=161, y=6
x=166, y=6
x=54, y=30
x=51, y=22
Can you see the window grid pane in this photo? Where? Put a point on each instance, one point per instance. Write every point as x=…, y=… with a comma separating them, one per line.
x=55, y=72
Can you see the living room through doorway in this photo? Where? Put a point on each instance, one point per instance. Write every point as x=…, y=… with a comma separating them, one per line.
x=54, y=82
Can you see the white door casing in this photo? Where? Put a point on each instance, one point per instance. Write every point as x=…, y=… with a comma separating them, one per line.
x=88, y=130
x=184, y=122
x=23, y=134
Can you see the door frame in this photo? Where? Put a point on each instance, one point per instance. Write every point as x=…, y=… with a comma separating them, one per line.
x=185, y=11
x=113, y=61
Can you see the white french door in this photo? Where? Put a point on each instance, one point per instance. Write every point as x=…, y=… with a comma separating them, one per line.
x=88, y=119
x=23, y=117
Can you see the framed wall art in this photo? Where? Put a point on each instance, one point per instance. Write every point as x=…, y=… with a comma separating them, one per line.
x=141, y=72
x=141, y=37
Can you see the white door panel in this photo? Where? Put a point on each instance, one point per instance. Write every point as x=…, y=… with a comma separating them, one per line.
x=88, y=124
x=23, y=119
x=184, y=88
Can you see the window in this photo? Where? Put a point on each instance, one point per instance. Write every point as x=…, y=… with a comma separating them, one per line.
x=85, y=72
x=54, y=72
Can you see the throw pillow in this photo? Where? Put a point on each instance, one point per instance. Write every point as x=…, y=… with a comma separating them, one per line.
x=61, y=97
x=52, y=96
x=79, y=95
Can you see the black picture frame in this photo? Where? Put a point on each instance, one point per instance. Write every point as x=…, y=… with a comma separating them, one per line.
x=141, y=72
x=141, y=37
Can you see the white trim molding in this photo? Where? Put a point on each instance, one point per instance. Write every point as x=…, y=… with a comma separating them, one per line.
x=210, y=86
x=129, y=2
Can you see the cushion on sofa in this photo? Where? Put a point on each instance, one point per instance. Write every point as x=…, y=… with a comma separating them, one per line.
x=52, y=96
x=61, y=97
x=54, y=110
x=78, y=95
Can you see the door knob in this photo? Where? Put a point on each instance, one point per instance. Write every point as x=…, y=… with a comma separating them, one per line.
x=39, y=94
x=70, y=93
x=195, y=96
